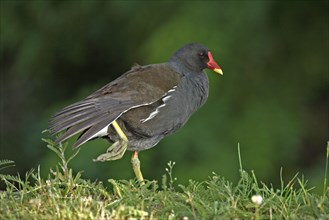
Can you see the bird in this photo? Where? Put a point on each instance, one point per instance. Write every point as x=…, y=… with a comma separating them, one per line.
x=141, y=107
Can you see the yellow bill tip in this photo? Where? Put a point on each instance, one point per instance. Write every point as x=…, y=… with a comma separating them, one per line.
x=220, y=71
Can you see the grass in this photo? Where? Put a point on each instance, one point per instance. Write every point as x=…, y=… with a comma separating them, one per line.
x=65, y=195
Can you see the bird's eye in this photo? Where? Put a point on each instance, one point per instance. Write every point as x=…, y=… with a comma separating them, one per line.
x=202, y=55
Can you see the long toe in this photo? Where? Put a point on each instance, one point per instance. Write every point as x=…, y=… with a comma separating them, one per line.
x=114, y=152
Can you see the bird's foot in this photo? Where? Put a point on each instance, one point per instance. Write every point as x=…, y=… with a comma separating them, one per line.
x=114, y=152
x=136, y=167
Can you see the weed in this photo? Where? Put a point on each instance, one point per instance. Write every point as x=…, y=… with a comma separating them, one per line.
x=65, y=195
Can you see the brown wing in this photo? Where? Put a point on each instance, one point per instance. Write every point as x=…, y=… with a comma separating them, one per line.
x=142, y=85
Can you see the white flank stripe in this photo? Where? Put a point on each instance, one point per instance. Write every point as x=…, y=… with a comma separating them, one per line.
x=104, y=131
x=166, y=98
x=153, y=114
x=172, y=90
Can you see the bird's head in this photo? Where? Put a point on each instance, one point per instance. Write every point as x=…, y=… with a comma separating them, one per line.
x=196, y=57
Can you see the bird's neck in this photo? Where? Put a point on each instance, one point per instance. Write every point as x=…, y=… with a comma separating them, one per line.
x=185, y=69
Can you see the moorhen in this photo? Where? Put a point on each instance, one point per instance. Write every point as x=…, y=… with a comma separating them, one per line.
x=144, y=105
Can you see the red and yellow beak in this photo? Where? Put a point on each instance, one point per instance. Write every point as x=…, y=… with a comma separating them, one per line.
x=213, y=65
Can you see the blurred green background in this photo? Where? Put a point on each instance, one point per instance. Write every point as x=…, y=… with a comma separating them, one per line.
x=272, y=99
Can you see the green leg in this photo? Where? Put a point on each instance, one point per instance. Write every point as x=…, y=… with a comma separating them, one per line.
x=117, y=149
x=136, y=166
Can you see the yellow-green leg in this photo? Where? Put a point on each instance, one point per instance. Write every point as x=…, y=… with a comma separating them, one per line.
x=117, y=150
x=119, y=131
x=136, y=166
x=114, y=152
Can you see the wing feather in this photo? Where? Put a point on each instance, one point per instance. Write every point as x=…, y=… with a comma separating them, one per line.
x=90, y=133
x=139, y=86
x=80, y=127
